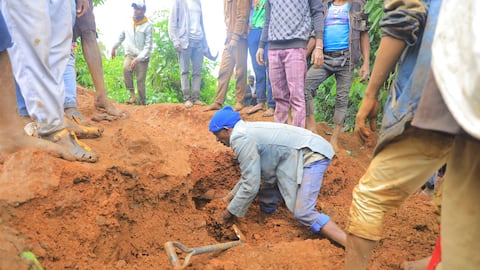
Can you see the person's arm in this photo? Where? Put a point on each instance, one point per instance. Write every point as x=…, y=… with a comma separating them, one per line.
x=173, y=26
x=121, y=38
x=246, y=151
x=317, y=12
x=82, y=7
x=401, y=25
x=365, y=48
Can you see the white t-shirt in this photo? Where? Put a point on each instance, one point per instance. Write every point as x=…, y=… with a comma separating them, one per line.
x=456, y=61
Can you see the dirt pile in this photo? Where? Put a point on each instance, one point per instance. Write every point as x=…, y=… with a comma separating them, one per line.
x=157, y=175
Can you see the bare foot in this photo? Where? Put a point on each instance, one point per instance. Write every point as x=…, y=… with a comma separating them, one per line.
x=10, y=143
x=104, y=105
x=238, y=107
x=213, y=107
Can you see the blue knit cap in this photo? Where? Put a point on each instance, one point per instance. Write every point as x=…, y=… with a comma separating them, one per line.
x=224, y=118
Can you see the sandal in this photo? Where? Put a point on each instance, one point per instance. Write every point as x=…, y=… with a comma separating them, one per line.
x=69, y=140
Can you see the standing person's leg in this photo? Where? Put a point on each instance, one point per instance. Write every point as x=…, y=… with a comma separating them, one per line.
x=240, y=55
x=344, y=77
x=184, y=63
x=315, y=77
x=307, y=195
x=295, y=70
x=128, y=78
x=42, y=87
x=260, y=71
x=142, y=68
x=39, y=67
x=12, y=135
x=460, y=212
x=280, y=91
x=395, y=173
x=69, y=78
x=197, y=64
x=86, y=28
x=224, y=74
x=270, y=101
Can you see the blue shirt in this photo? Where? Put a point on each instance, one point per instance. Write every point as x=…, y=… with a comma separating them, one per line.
x=271, y=152
x=337, y=27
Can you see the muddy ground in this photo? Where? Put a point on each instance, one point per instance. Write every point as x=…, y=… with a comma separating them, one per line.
x=157, y=179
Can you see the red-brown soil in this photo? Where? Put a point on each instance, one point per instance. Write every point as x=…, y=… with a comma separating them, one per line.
x=154, y=182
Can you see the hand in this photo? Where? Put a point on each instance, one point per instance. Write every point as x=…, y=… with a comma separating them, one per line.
x=317, y=58
x=259, y=56
x=364, y=72
x=228, y=197
x=368, y=111
x=113, y=53
x=177, y=47
x=82, y=7
x=133, y=63
x=223, y=216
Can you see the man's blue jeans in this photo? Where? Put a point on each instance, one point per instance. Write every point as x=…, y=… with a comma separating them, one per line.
x=263, y=89
x=307, y=195
x=69, y=78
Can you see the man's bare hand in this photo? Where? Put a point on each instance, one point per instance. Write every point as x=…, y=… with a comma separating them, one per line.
x=317, y=58
x=368, y=111
x=113, y=53
x=82, y=7
x=259, y=56
x=364, y=72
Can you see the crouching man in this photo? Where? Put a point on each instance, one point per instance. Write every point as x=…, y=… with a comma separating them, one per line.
x=291, y=162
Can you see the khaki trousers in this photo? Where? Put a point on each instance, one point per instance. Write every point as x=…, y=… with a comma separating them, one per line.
x=395, y=173
x=233, y=58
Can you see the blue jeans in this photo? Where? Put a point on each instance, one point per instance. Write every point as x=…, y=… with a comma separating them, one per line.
x=194, y=55
x=263, y=88
x=307, y=195
x=69, y=78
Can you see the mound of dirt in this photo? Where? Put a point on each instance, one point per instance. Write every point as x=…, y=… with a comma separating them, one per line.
x=159, y=177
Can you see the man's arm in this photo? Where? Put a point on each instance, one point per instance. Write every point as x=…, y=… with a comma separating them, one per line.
x=317, y=12
x=121, y=38
x=173, y=25
x=397, y=33
x=247, y=154
x=365, y=48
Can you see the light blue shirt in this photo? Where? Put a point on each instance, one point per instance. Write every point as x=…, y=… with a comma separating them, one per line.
x=337, y=27
x=271, y=152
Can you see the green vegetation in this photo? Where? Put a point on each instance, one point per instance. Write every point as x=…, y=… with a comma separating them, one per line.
x=163, y=77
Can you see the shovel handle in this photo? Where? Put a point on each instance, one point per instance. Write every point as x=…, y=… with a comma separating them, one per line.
x=170, y=249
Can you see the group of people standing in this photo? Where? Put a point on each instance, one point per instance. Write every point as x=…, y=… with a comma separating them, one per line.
x=276, y=34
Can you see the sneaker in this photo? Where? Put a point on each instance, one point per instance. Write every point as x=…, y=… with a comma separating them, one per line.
x=188, y=104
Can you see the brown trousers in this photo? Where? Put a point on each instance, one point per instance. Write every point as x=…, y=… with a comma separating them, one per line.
x=233, y=58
